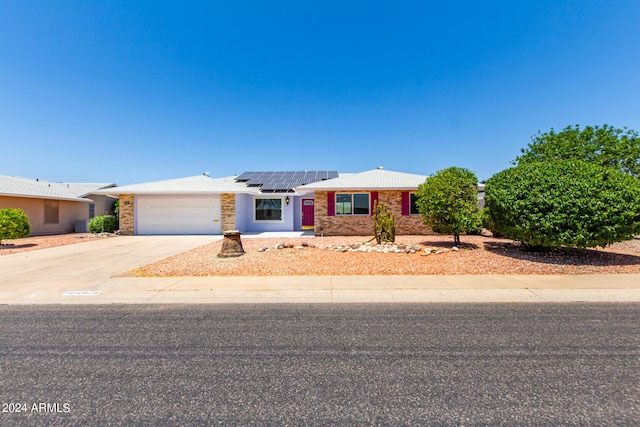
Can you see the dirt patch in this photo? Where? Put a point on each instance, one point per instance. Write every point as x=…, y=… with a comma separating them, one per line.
x=33, y=243
x=476, y=255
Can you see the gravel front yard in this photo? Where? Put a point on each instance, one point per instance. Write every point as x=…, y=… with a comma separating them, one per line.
x=477, y=255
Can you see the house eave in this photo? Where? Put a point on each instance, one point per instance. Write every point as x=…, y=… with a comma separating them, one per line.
x=33, y=196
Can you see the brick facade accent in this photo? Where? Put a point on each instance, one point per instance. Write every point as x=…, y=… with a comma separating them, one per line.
x=126, y=214
x=363, y=225
x=228, y=206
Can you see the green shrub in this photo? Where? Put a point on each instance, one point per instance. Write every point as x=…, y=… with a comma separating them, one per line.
x=448, y=202
x=563, y=204
x=14, y=224
x=103, y=224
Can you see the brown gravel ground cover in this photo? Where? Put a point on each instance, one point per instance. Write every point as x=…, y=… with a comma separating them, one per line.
x=33, y=243
x=477, y=255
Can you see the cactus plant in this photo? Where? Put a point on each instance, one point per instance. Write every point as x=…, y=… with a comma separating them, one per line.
x=384, y=223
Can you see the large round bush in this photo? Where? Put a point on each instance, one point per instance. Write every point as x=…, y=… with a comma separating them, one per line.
x=14, y=224
x=564, y=203
x=103, y=224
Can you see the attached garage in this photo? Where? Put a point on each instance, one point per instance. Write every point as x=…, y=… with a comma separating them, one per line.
x=178, y=214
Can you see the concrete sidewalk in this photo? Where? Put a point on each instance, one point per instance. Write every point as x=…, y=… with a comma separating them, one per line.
x=333, y=289
x=91, y=273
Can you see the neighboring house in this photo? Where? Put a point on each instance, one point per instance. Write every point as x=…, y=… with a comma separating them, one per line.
x=344, y=205
x=54, y=207
x=328, y=202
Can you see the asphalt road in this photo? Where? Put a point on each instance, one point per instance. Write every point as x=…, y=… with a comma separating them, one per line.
x=421, y=364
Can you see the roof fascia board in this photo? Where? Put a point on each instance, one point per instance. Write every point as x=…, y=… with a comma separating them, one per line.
x=30, y=196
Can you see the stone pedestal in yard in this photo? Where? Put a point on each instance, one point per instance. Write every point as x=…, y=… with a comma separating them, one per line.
x=231, y=245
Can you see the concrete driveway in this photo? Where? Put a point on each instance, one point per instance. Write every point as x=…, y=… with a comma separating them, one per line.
x=89, y=264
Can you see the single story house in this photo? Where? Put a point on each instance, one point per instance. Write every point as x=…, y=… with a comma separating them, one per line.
x=54, y=207
x=325, y=201
x=250, y=202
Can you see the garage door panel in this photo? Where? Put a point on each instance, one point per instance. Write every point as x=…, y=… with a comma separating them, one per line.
x=178, y=215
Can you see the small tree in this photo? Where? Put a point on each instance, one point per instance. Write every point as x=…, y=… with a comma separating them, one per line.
x=567, y=203
x=14, y=224
x=448, y=202
x=384, y=223
x=601, y=145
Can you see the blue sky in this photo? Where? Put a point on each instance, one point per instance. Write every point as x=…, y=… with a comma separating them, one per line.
x=137, y=91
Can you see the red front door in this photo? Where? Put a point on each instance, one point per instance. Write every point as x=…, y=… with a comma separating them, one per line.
x=307, y=212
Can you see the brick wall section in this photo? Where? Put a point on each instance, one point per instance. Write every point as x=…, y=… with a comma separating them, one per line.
x=363, y=225
x=228, y=204
x=126, y=214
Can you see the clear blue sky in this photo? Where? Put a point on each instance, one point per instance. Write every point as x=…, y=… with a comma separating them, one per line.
x=137, y=91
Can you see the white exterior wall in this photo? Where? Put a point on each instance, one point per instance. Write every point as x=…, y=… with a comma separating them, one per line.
x=245, y=206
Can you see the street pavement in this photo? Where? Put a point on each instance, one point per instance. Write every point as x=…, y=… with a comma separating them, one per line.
x=321, y=364
x=95, y=273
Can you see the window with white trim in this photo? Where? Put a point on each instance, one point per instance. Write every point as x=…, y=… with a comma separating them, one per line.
x=352, y=204
x=268, y=209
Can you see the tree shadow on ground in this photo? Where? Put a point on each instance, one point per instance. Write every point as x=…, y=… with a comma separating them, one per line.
x=564, y=256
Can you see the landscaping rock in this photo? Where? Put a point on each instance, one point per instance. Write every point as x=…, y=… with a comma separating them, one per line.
x=486, y=233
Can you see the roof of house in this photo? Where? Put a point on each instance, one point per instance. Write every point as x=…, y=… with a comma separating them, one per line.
x=375, y=179
x=199, y=184
x=35, y=188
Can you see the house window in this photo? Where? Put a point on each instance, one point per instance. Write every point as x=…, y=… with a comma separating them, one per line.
x=268, y=209
x=413, y=205
x=51, y=211
x=92, y=210
x=352, y=204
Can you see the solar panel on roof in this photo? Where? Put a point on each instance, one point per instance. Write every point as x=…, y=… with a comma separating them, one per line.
x=282, y=181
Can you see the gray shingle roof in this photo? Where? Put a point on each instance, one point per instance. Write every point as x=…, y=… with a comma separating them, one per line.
x=192, y=184
x=26, y=187
x=375, y=179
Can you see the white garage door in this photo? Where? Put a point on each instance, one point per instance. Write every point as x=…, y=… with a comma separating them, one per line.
x=178, y=215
